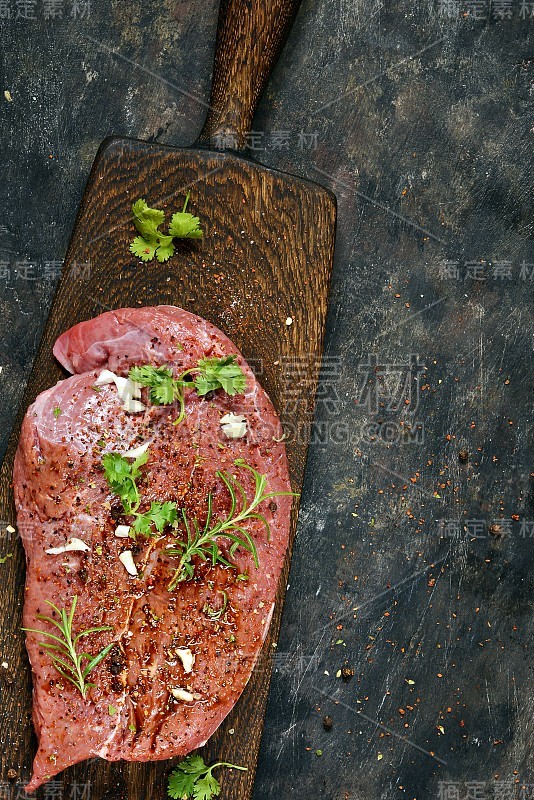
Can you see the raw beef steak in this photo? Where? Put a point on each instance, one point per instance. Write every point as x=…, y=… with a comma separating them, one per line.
x=178, y=659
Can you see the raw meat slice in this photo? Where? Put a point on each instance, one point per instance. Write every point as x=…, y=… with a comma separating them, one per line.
x=146, y=703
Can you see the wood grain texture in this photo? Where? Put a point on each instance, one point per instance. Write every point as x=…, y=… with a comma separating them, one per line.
x=249, y=39
x=266, y=256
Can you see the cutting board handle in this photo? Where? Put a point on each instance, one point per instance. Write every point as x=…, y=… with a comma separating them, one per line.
x=250, y=35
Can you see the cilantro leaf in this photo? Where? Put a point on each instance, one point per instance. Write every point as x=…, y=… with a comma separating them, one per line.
x=209, y=375
x=181, y=784
x=159, y=514
x=152, y=241
x=147, y=220
x=193, y=764
x=185, y=226
x=192, y=778
x=165, y=249
x=139, y=462
x=164, y=389
x=121, y=476
x=116, y=467
x=206, y=787
x=142, y=248
x=220, y=373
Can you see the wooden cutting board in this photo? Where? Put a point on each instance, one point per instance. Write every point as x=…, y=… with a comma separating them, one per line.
x=261, y=274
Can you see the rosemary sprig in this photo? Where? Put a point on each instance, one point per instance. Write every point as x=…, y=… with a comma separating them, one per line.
x=63, y=649
x=204, y=544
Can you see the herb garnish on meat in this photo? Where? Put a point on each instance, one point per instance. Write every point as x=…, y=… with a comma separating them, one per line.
x=209, y=375
x=122, y=476
x=203, y=543
x=63, y=648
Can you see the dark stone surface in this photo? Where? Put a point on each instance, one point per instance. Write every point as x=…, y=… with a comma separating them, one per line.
x=420, y=122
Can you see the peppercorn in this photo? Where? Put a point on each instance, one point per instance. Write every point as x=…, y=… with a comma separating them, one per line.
x=463, y=455
x=116, y=662
x=328, y=722
x=83, y=575
x=347, y=673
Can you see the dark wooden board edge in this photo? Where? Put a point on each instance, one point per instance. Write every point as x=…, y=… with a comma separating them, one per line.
x=126, y=779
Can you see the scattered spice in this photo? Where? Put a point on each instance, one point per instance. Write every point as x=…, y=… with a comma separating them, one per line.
x=328, y=723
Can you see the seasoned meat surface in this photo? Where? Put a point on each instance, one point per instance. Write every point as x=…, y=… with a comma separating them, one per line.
x=179, y=658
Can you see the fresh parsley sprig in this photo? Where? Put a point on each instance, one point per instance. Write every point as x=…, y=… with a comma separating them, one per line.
x=122, y=476
x=153, y=242
x=219, y=373
x=62, y=648
x=163, y=388
x=192, y=778
x=204, y=543
x=208, y=375
x=159, y=515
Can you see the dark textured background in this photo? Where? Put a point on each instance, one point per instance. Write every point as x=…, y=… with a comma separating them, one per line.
x=419, y=117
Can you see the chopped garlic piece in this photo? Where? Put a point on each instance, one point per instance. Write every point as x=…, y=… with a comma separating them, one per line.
x=105, y=377
x=135, y=452
x=128, y=391
x=133, y=406
x=182, y=694
x=72, y=544
x=186, y=657
x=127, y=560
x=234, y=425
x=122, y=531
x=10, y=529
